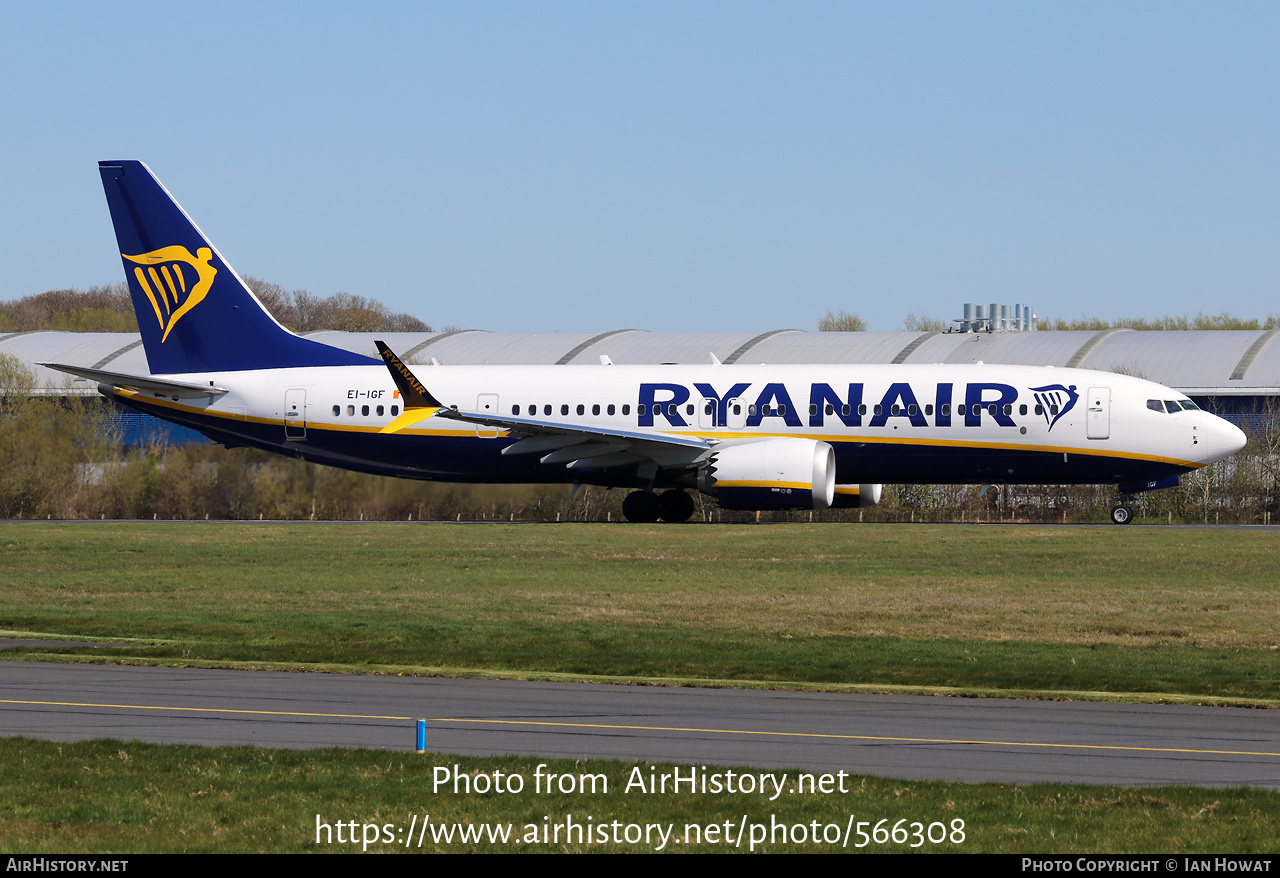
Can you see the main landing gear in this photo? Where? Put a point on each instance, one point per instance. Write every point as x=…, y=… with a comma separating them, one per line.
x=1121, y=514
x=646, y=507
x=1121, y=511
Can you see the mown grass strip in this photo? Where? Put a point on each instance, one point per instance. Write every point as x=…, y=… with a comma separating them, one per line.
x=1175, y=613
x=132, y=798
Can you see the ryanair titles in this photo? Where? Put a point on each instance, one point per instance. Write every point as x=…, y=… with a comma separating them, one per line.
x=970, y=404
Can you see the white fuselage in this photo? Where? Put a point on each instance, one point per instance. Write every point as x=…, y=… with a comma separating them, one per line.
x=886, y=423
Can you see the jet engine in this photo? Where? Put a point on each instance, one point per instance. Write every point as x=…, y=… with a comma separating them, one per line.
x=856, y=496
x=772, y=474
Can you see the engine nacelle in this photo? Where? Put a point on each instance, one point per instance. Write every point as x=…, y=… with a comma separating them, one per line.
x=771, y=474
x=856, y=496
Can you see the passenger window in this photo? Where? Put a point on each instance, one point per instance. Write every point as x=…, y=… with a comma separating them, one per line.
x=879, y=409
x=1039, y=409
x=831, y=410
x=515, y=410
x=380, y=411
x=641, y=409
x=671, y=409
x=706, y=409
x=946, y=408
x=395, y=410
x=1053, y=409
x=364, y=411
x=1022, y=409
x=737, y=408
x=960, y=409
x=611, y=409
x=533, y=410
x=564, y=409
x=688, y=410
x=595, y=409
x=896, y=409
x=751, y=409
x=844, y=409
x=1008, y=409
x=782, y=409
x=928, y=410
x=351, y=411
x=546, y=410
x=862, y=409
x=991, y=409
x=582, y=409
x=813, y=408
x=337, y=410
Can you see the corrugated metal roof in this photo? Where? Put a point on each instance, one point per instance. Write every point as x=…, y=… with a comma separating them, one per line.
x=1239, y=362
x=1264, y=370
x=1188, y=359
x=831, y=347
x=666, y=347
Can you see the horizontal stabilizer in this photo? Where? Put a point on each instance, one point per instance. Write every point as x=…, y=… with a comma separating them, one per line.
x=141, y=383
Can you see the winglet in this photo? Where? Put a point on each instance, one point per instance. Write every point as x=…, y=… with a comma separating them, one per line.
x=419, y=404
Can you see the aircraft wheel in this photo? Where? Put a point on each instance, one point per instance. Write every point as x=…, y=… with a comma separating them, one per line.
x=675, y=506
x=1121, y=514
x=642, y=507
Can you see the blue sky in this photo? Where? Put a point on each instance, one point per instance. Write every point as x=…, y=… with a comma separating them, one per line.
x=696, y=165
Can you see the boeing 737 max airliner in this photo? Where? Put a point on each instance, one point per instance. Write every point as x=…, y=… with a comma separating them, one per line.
x=751, y=436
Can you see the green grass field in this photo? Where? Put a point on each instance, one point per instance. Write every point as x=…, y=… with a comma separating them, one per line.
x=1181, y=613
x=1119, y=613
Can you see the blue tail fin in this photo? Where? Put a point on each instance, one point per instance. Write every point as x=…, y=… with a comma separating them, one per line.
x=194, y=311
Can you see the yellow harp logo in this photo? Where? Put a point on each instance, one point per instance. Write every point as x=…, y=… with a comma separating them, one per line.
x=174, y=281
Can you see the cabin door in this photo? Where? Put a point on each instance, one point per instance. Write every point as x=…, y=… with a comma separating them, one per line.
x=1099, y=425
x=295, y=414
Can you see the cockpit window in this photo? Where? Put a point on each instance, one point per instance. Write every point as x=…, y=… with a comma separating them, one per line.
x=1189, y=405
x=1172, y=407
x=1155, y=405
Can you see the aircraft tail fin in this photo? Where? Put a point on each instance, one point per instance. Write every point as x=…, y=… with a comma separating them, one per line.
x=194, y=311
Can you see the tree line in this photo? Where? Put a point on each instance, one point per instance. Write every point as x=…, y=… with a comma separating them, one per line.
x=110, y=309
x=843, y=321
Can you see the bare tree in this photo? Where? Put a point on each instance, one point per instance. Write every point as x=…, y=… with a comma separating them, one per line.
x=841, y=321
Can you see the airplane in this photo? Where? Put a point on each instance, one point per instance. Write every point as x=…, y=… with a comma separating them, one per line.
x=753, y=437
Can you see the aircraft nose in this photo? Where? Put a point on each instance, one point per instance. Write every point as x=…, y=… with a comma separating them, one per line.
x=1223, y=440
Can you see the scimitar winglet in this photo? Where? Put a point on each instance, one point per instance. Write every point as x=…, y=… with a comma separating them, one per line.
x=419, y=404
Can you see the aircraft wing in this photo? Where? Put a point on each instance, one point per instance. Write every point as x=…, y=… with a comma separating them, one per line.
x=575, y=445
x=589, y=447
x=140, y=383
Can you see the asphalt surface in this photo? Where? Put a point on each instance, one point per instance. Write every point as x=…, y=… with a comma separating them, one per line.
x=896, y=736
